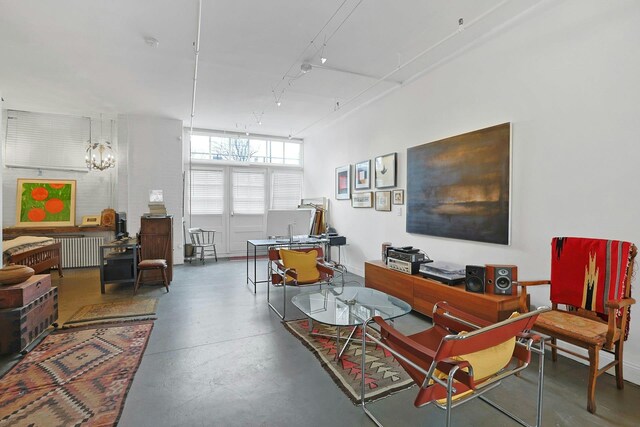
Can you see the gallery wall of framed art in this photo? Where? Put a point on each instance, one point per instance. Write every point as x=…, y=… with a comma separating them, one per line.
x=383, y=176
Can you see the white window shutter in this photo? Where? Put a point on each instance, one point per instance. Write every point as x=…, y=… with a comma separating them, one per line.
x=40, y=140
x=248, y=192
x=286, y=189
x=207, y=192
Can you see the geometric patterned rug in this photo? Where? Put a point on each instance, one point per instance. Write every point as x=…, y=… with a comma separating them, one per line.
x=115, y=310
x=74, y=377
x=384, y=375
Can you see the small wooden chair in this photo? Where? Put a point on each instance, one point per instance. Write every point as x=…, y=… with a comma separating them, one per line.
x=460, y=358
x=203, y=240
x=591, y=300
x=151, y=264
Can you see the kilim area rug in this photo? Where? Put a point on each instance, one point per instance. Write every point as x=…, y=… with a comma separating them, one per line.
x=140, y=308
x=384, y=375
x=74, y=377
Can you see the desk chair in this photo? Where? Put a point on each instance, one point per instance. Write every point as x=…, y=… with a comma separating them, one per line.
x=149, y=265
x=591, y=301
x=460, y=357
x=203, y=240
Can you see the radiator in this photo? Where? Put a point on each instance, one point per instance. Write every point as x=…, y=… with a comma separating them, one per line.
x=80, y=251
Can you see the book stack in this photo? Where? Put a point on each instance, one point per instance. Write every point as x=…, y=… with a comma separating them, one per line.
x=156, y=204
x=157, y=209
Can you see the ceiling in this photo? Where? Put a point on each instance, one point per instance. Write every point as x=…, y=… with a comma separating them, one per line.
x=90, y=57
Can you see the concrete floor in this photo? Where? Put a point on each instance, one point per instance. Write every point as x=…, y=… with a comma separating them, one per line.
x=219, y=357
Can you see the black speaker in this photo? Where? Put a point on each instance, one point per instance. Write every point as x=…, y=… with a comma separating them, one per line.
x=500, y=279
x=474, y=279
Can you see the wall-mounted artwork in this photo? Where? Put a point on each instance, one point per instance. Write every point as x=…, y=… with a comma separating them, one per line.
x=386, y=170
x=398, y=197
x=362, y=175
x=362, y=200
x=343, y=182
x=459, y=187
x=383, y=201
x=46, y=202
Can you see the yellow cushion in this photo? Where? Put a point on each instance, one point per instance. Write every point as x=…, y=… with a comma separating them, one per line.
x=303, y=262
x=490, y=360
x=484, y=362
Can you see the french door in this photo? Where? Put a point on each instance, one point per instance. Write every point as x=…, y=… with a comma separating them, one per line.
x=234, y=201
x=247, y=206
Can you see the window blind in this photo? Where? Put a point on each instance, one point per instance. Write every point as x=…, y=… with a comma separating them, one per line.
x=46, y=140
x=248, y=192
x=207, y=192
x=286, y=190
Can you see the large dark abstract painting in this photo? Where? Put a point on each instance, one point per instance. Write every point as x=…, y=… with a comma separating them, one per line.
x=458, y=187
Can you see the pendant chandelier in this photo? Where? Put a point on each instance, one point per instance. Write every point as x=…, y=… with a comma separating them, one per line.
x=100, y=153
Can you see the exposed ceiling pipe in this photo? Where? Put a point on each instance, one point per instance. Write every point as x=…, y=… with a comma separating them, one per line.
x=195, y=68
x=193, y=109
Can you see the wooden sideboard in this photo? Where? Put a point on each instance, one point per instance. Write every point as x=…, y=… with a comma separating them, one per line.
x=13, y=232
x=423, y=293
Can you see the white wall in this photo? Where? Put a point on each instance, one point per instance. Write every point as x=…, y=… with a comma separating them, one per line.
x=154, y=162
x=567, y=78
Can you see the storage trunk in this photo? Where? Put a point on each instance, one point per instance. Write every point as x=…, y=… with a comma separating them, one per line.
x=19, y=295
x=19, y=327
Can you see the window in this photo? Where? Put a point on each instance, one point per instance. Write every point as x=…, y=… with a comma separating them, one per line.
x=245, y=149
x=286, y=189
x=207, y=192
x=46, y=140
x=248, y=192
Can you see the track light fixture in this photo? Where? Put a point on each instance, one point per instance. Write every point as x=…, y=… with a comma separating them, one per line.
x=258, y=117
x=277, y=97
x=323, y=58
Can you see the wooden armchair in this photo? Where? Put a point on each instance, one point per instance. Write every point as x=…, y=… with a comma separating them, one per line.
x=461, y=357
x=299, y=267
x=591, y=299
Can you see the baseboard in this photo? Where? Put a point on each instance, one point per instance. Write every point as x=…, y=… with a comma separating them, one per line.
x=358, y=271
x=631, y=370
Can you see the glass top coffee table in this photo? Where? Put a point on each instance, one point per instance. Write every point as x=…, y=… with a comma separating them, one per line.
x=348, y=306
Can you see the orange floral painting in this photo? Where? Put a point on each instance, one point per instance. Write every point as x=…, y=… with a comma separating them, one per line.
x=45, y=202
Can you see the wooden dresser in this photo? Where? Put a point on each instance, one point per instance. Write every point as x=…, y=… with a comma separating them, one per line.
x=156, y=242
x=423, y=293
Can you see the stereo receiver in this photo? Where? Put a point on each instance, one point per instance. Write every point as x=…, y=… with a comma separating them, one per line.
x=405, y=256
x=403, y=266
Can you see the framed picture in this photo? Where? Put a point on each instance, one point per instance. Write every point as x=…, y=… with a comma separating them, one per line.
x=383, y=201
x=343, y=182
x=459, y=187
x=362, y=200
x=398, y=197
x=386, y=171
x=362, y=178
x=45, y=202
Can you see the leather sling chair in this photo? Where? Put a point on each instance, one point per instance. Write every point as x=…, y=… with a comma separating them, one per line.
x=461, y=357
